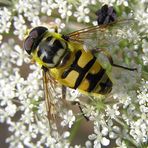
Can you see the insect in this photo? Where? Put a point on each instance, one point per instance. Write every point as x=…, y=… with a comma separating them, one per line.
x=70, y=59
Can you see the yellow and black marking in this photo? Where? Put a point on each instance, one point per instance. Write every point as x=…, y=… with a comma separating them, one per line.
x=69, y=63
x=87, y=75
x=81, y=71
x=50, y=51
x=64, y=59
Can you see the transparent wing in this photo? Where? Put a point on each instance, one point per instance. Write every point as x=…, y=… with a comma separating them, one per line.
x=49, y=85
x=101, y=36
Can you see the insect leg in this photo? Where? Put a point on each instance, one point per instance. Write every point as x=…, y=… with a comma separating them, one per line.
x=63, y=92
x=56, y=29
x=79, y=105
x=54, y=26
x=105, y=52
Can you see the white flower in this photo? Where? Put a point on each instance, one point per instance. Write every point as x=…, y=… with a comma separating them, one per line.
x=28, y=116
x=93, y=2
x=22, y=6
x=19, y=55
x=90, y=112
x=143, y=93
x=145, y=50
x=59, y=24
x=127, y=102
x=4, y=116
x=121, y=144
x=7, y=93
x=1, y=37
x=124, y=2
x=139, y=131
x=114, y=133
x=42, y=109
x=145, y=59
x=145, y=46
x=36, y=21
x=141, y=15
x=69, y=119
x=30, y=8
x=109, y=2
x=5, y=23
x=73, y=94
x=144, y=108
x=98, y=137
x=20, y=27
x=11, y=109
x=112, y=111
x=81, y=14
x=47, y=6
x=88, y=144
x=64, y=8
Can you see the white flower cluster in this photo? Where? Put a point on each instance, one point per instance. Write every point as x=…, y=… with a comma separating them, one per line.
x=31, y=10
x=141, y=14
x=145, y=51
x=139, y=128
x=99, y=136
x=5, y=23
x=117, y=2
x=122, y=116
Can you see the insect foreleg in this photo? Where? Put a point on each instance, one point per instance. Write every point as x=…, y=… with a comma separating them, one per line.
x=54, y=26
x=63, y=92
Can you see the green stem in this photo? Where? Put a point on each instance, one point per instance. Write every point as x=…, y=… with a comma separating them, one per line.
x=120, y=122
x=130, y=140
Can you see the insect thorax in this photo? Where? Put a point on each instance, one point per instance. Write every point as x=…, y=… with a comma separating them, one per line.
x=51, y=51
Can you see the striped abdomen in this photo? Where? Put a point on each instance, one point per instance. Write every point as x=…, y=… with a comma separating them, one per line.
x=85, y=73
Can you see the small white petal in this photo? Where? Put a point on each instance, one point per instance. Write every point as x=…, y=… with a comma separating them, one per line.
x=105, y=141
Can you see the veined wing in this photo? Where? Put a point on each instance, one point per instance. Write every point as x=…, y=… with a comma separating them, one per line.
x=49, y=86
x=101, y=36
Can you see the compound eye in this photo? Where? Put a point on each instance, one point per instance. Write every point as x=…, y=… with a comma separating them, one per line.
x=37, y=32
x=28, y=44
x=34, y=38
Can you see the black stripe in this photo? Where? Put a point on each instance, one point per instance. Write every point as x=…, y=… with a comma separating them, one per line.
x=39, y=52
x=72, y=66
x=94, y=79
x=82, y=71
x=49, y=51
x=106, y=87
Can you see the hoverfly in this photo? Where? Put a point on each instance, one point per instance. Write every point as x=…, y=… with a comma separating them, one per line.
x=70, y=59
